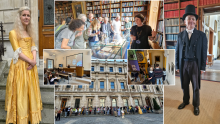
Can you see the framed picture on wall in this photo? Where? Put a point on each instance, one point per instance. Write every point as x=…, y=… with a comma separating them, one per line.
x=215, y=26
x=207, y=18
x=157, y=58
x=77, y=9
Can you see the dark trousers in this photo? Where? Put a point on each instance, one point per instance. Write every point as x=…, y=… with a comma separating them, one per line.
x=58, y=116
x=190, y=73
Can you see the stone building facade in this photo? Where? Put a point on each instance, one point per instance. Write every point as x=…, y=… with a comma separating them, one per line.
x=108, y=88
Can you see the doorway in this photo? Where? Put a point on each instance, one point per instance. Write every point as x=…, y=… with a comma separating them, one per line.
x=63, y=104
x=147, y=99
x=77, y=102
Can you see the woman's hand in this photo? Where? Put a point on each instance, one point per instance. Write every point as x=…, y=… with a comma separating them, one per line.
x=98, y=33
x=32, y=63
x=133, y=37
x=79, y=34
x=29, y=67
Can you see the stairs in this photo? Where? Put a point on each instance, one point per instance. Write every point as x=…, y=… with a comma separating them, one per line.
x=47, y=96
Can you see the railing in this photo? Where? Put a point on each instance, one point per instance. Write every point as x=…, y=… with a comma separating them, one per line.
x=2, y=48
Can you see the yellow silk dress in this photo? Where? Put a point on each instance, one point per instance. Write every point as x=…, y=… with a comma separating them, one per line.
x=139, y=110
x=23, y=99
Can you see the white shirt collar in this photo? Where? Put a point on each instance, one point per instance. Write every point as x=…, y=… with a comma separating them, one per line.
x=189, y=31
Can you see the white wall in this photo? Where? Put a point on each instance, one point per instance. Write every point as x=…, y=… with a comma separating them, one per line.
x=61, y=58
x=170, y=54
x=211, y=24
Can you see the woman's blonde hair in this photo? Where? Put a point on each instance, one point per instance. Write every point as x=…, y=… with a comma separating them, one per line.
x=95, y=24
x=18, y=27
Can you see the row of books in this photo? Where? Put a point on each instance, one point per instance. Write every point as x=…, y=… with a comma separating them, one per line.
x=129, y=18
x=97, y=15
x=171, y=6
x=171, y=14
x=182, y=12
x=161, y=14
x=170, y=22
x=171, y=47
x=138, y=8
x=185, y=3
x=127, y=14
x=127, y=4
x=115, y=10
x=105, y=2
x=115, y=1
x=208, y=2
x=127, y=9
x=160, y=26
x=96, y=3
x=106, y=11
x=88, y=4
x=172, y=37
x=105, y=15
x=97, y=11
x=115, y=5
x=89, y=8
x=87, y=12
x=172, y=29
x=137, y=3
x=114, y=14
x=105, y=6
x=96, y=7
x=159, y=39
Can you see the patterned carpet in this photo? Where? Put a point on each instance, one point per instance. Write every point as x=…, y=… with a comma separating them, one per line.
x=209, y=104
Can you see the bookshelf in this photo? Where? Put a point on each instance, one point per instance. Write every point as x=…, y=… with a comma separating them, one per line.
x=160, y=25
x=125, y=9
x=173, y=12
x=62, y=11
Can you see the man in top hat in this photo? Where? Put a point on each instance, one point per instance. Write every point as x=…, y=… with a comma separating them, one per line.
x=191, y=54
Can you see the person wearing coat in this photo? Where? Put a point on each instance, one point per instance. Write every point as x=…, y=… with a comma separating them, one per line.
x=115, y=111
x=191, y=54
x=95, y=111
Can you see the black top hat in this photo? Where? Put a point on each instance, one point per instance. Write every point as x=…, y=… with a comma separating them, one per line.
x=190, y=10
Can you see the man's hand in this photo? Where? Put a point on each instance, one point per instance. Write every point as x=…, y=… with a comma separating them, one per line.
x=201, y=71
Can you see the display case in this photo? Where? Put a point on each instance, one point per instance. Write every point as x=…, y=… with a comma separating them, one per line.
x=110, y=48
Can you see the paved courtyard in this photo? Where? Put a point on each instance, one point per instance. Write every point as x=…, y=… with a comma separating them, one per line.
x=149, y=118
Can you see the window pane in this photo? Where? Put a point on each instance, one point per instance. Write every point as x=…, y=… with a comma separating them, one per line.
x=120, y=69
x=102, y=85
x=92, y=68
x=79, y=86
x=91, y=86
x=101, y=68
x=125, y=102
x=102, y=102
x=89, y=102
x=136, y=102
x=111, y=69
x=113, y=102
x=112, y=85
x=122, y=85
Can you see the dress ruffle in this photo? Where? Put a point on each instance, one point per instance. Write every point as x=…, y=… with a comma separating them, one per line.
x=34, y=48
x=16, y=55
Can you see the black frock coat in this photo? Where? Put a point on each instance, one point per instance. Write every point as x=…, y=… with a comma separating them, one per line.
x=198, y=45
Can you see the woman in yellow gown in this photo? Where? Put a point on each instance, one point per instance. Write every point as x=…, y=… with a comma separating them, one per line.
x=139, y=110
x=23, y=99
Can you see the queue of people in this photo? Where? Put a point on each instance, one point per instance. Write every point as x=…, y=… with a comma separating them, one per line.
x=111, y=111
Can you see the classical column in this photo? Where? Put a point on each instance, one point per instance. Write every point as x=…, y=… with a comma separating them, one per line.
x=117, y=82
x=85, y=87
x=73, y=88
x=140, y=88
x=96, y=83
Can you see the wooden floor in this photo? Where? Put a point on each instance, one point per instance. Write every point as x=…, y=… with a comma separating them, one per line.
x=209, y=104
